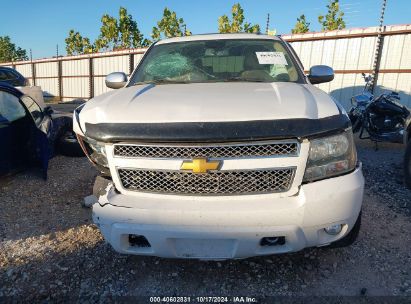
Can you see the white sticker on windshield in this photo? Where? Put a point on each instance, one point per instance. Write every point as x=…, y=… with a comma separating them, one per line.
x=271, y=58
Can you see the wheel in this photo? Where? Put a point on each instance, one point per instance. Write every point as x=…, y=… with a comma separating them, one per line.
x=350, y=238
x=68, y=145
x=407, y=165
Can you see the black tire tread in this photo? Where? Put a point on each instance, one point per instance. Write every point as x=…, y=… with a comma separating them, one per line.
x=68, y=148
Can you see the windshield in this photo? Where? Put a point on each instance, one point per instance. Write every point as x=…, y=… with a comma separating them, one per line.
x=217, y=61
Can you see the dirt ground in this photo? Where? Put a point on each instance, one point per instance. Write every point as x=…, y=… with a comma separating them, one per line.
x=50, y=249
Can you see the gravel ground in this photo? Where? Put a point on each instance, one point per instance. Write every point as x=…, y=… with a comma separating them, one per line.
x=49, y=248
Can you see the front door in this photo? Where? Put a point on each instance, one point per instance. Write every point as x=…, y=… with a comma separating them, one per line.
x=15, y=129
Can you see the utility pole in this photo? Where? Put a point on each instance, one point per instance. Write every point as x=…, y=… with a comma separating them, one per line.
x=378, y=49
x=57, y=51
x=268, y=24
x=33, y=69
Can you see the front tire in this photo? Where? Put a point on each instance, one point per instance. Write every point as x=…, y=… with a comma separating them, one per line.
x=68, y=145
x=407, y=165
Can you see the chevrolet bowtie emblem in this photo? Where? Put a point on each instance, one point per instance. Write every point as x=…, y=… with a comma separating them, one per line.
x=200, y=165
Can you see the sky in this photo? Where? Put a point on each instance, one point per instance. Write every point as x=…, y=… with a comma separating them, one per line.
x=41, y=25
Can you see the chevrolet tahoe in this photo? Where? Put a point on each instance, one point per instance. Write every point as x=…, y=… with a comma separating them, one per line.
x=218, y=146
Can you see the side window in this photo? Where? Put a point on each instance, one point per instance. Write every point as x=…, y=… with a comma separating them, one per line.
x=10, y=108
x=11, y=75
x=3, y=75
x=33, y=108
x=7, y=75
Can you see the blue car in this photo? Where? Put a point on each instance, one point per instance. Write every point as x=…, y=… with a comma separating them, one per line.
x=31, y=135
x=12, y=77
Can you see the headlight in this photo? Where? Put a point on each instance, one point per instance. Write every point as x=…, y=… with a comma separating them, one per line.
x=331, y=156
x=96, y=152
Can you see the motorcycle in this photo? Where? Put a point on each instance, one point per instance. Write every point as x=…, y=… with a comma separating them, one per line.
x=379, y=118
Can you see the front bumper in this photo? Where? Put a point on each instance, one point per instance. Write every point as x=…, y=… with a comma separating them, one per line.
x=231, y=226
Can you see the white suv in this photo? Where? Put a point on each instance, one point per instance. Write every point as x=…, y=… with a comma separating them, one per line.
x=220, y=147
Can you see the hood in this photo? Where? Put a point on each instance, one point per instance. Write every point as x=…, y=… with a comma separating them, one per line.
x=208, y=102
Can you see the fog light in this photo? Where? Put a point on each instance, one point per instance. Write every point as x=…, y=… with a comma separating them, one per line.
x=333, y=229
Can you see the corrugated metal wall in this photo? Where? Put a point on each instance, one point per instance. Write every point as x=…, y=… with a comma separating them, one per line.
x=46, y=76
x=74, y=77
x=349, y=52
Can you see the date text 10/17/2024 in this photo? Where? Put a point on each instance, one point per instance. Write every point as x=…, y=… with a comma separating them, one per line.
x=175, y=299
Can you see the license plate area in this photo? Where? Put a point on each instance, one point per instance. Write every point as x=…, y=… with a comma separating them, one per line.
x=204, y=248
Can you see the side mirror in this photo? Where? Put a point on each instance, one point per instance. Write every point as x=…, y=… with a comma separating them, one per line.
x=116, y=80
x=320, y=74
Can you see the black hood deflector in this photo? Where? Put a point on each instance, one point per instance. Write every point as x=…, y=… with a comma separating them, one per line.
x=202, y=132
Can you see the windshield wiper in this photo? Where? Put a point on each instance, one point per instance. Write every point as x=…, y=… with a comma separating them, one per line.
x=160, y=81
x=244, y=79
x=231, y=79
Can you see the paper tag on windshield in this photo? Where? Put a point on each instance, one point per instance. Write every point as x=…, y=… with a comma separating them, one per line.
x=271, y=58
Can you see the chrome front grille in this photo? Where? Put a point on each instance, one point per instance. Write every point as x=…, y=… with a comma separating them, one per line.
x=289, y=148
x=212, y=183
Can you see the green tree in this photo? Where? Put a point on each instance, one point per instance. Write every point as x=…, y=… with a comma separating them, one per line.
x=130, y=35
x=333, y=20
x=9, y=51
x=169, y=26
x=236, y=24
x=109, y=33
x=302, y=26
x=121, y=33
x=77, y=44
x=87, y=46
x=115, y=34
